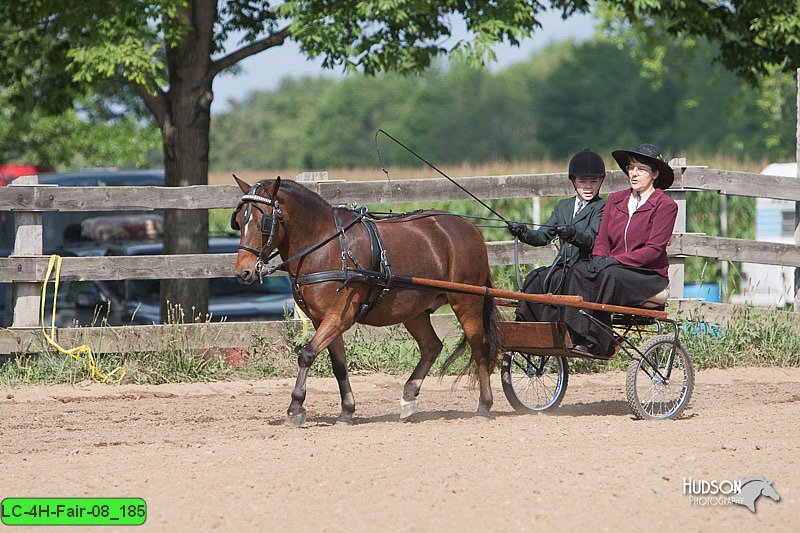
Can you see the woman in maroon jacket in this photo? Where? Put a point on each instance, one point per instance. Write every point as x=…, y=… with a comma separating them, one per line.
x=629, y=263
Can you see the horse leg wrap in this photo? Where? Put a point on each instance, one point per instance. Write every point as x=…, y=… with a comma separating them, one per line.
x=407, y=408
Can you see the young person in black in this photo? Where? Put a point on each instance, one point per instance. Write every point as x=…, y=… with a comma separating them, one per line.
x=575, y=221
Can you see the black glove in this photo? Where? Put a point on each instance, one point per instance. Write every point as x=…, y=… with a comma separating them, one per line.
x=600, y=263
x=517, y=229
x=567, y=233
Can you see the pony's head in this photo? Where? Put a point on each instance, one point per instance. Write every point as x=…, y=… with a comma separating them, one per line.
x=260, y=219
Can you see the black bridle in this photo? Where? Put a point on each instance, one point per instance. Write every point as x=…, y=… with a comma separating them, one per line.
x=251, y=201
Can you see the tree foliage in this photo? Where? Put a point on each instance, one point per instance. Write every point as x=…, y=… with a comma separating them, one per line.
x=562, y=99
x=755, y=37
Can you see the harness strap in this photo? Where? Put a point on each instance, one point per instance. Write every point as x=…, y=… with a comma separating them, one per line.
x=305, y=252
x=380, y=260
x=380, y=275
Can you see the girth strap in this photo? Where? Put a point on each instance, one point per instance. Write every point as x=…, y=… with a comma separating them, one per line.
x=380, y=263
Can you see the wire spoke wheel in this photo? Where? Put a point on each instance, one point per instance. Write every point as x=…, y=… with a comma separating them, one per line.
x=661, y=394
x=534, y=383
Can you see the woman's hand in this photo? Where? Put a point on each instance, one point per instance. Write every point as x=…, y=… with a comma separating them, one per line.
x=600, y=263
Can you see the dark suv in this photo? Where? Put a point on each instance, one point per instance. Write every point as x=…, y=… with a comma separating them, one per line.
x=137, y=301
x=134, y=301
x=59, y=227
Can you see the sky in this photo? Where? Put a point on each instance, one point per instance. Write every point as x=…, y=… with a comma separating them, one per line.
x=264, y=71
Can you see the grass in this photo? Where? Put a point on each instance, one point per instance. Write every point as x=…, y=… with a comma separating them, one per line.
x=750, y=340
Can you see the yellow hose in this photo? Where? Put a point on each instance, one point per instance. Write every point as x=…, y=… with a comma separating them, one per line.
x=82, y=352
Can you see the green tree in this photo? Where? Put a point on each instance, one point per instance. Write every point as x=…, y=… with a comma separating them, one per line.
x=670, y=41
x=755, y=37
x=269, y=129
x=91, y=134
x=169, y=52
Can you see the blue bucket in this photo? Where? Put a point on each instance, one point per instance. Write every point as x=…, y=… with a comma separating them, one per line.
x=708, y=292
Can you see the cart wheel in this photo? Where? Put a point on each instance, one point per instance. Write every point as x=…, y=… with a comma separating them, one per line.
x=650, y=395
x=534, y=383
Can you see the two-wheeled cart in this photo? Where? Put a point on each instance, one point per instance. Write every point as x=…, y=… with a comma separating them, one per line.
x=660, y=378
x=535, y=369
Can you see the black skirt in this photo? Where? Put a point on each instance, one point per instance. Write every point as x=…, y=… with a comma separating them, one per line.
x=543, y=280
x=616, y=285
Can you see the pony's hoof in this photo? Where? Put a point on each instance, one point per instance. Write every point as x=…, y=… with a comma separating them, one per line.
x=407, y=408
x=343, y=423
x=296, y=421
x=483, y=417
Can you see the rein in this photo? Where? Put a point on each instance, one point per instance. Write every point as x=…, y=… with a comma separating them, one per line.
x=263, y=270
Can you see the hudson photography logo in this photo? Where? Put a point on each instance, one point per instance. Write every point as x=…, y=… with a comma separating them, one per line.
x=744, y=491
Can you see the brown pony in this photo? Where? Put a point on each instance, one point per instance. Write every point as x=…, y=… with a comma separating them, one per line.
x=316, y=238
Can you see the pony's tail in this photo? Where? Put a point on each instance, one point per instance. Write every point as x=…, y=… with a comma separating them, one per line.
x=491, y=342
x=492, y=339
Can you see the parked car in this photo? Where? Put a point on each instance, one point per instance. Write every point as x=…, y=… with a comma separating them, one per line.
x=10, y=171
x=60, y=227
x=137, y=301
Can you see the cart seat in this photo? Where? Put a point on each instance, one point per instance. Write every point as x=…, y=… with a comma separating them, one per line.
x=657, y=300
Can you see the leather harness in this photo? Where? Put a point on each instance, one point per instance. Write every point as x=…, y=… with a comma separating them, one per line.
x=378, y=274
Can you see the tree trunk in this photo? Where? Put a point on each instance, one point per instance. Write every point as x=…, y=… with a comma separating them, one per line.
x=185, y=133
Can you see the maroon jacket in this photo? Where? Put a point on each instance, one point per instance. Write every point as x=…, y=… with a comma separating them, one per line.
x=643, y=242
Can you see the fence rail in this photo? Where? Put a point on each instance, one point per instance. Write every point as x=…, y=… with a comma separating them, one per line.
x=27, y=269
x=47, y=198
x=32, y=269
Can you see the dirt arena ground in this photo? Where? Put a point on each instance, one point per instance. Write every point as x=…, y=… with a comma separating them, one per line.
x=217, y=456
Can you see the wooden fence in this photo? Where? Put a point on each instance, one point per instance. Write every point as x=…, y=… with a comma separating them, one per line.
x=26, y=267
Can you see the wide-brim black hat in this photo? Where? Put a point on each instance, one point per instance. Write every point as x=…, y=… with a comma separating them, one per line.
x=650, y=155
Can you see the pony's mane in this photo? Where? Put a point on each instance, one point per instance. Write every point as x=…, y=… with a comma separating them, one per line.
x=306, y=196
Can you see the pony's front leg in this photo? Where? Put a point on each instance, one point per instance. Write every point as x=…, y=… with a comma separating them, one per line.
x=327, y=331
x=336, y=352
x=429, y=349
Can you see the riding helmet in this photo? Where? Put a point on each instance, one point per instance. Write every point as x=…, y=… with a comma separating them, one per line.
x=586, y=164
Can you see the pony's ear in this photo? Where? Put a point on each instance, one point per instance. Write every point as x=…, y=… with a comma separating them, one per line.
x=242, y=184
x=277, y=186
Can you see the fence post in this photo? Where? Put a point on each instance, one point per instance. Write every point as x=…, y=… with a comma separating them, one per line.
x=27, y=242
x=676, y=266
x=797, y=204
